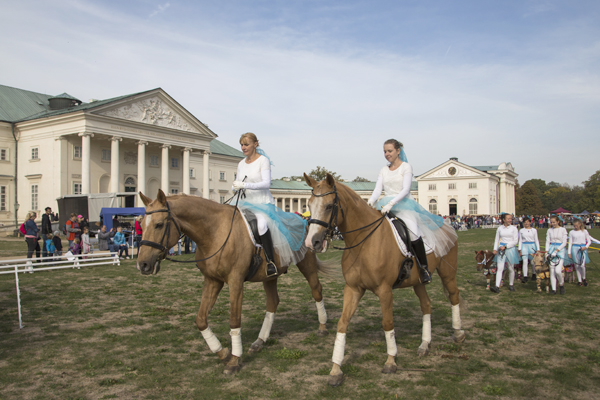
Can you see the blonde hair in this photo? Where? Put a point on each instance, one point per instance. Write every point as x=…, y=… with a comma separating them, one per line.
x=30, y=214
x=250, y=136
x=582, y=227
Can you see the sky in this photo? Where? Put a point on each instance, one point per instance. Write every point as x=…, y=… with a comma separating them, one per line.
x=325, y=83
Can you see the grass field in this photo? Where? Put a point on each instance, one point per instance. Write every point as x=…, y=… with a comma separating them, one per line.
x=109, y=332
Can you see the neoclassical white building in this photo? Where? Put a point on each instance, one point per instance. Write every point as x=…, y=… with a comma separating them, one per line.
x=51, y=146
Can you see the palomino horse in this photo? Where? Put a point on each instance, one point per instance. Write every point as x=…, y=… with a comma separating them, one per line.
x=217, y=230
x=373, y=264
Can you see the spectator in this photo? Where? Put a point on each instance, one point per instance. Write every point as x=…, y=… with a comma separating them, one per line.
x=72, y=229
x=57, y=244
x=86, y=246
x=32, y=235
x=47, y=219
x=116, y=222
x=121, y=243
x=104, y=239
x=75, y=247
x=82, y=224
x=138, y=231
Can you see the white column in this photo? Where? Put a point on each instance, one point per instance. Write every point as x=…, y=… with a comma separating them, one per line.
x=164, y=169
x=114, y=163
x=141, y=171
x=186, y=170
x=283, y=199
x=85, y=161
x=205, y=187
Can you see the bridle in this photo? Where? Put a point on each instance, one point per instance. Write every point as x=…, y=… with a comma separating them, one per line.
x=484, y=262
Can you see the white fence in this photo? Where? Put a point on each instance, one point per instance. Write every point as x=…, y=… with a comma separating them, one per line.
x=30, y=265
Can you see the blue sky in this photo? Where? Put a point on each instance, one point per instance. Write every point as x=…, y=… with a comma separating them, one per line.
x=326, y=82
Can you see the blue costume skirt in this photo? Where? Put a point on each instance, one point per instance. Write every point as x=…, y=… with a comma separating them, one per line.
x=576, y=255
x=528, y=249
x=287, y=230
x=562, y=254
x=511, y=255
x=437, y=235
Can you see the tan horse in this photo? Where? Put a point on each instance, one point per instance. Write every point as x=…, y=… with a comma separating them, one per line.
x=208, y=224
x=373, y=265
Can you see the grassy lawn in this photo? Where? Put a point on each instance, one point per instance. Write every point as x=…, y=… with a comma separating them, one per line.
x=109, y=332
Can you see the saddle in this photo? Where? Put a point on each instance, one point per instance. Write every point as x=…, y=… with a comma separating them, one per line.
x=256, y=258
x=407, y=263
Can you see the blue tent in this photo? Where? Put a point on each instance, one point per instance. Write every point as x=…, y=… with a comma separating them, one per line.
x=107, y=214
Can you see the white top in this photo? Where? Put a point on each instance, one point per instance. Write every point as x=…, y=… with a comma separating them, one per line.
x=258, y=180
x=508, y=235
x=529, y=235
x=556, y=235
x=592, y=239
x=395, y=183
x=579, y=237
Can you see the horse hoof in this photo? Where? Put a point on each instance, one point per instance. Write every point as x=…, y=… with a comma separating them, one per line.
x=232, y=369
x=336, y=380
x=422, y=352
x=256, y=347
x=322, y=332
x=459, y=336
x=389, y=369
x=224, y=355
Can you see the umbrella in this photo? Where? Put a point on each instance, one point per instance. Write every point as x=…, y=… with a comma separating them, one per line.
x=584, y=212
x=560, y=210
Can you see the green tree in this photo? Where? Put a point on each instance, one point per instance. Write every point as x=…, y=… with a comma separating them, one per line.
x=360, y=179
x=320, y=173
x=528, y=201
x=591, y=193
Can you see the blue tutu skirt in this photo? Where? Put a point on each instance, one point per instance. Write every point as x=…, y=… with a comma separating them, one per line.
x=562, y=254
x=528, y=249
x=288, y=230
x=511, y=255
x=437, y=235
x=576, y=255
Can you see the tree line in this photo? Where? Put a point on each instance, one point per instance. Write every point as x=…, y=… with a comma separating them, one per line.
x=320, y=173
x=536, y=197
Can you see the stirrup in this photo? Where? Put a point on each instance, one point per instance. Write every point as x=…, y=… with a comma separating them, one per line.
x=271, y=269
x=425, y=276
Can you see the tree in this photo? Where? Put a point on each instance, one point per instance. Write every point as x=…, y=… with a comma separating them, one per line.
x=528, y=201
x=360, y=179
x=320, y=173
x=591, y=193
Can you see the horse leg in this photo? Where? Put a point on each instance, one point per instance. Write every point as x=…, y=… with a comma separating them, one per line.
x=308, y=267
x=210, y=292
x=352, y=297
x=421, y=293
x=236, y=292
x=272, y=303
x=386, y=299
x=489, y=277
x=447, y=271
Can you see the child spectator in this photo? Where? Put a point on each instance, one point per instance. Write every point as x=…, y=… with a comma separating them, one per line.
x=50, y=249
x=119, y=241
x=75, y=247
x=86, y=246
x=57, y=245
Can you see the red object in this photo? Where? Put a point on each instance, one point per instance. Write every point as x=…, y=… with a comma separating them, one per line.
x=560, y=210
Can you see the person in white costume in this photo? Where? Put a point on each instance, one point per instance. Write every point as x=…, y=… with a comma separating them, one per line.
x=579, y=243
x=278, y=230
x=556, y=246
x=529, y=245
x=505, y=250
x=395, y=179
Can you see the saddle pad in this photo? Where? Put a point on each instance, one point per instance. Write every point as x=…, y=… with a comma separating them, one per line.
x=399, y=241
x=243, y=214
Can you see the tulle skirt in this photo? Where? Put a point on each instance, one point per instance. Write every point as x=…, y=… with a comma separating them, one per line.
x=287, y=230
x=576, y=255
x=511, y=255
x=528, y=249
x=437, y=235
x=562, y=254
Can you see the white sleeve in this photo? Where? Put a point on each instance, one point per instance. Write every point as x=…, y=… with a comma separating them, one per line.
x=570, y=241
x=237, y=176
x=588, y=240
x=537, y=240
x=405, y=187
x=548, y=239
x=520, y=239
x=265, y=174
x=497, y=240
x=377, y=191
x=593, y=240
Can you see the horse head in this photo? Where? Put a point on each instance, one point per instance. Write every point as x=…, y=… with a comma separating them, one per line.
x=482, y=258
x=160, y=233
x=325, y=215
x=540, y=263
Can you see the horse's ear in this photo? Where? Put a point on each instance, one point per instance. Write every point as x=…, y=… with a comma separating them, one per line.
x=145, y=199
x=329, y=179
x=162, y=199
x=310, y=181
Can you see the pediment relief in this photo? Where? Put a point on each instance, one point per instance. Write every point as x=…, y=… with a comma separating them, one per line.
x=153, y=111
x=453, y=171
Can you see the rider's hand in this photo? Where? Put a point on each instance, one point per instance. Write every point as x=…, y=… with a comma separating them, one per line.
x=495, y=252
x=370, y=203
x=237, y=185
x=502, y=247
x=386, y=209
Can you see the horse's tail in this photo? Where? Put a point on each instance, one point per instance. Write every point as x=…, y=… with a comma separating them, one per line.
x=330, y=268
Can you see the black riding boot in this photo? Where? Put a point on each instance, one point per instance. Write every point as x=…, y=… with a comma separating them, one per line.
x=267, y=244
x=419, y=249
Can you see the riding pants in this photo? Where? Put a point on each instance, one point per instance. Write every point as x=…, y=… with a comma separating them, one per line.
x=556, y=273
x=511, y=271
x=525, y=265
x=261, y=223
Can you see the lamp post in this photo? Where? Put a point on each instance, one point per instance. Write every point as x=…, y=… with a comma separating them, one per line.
x=16, y=216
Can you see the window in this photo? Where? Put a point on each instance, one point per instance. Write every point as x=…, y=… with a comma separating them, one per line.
x=432, y=186
x=2, y=198
x=76, y=151
x=154, y=161
x=3, y=155
x=452, y=186
x=174, y=191
x=221, y=199
x=473, y=206
x=210, y=174
x=34, y=197
x=192, y=173
x=76, y=188
x=174, y=162
x=105, y=155
x=35, y=156
x=433, y=207
x=473, y=185
x=222, y=175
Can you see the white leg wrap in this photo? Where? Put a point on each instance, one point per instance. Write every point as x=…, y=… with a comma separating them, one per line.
x=236, y=342
x=211, y=340
x=427, y=328
x=390, y=339
x=456, y=324
x=321, y=311
x=266, y=327
x=338, y=348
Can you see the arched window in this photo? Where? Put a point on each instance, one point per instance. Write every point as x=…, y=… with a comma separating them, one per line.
x=433, y=207
x=452, y=201
x=473, y=206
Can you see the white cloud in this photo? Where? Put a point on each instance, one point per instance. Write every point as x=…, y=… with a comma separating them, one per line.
x=159, y=9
